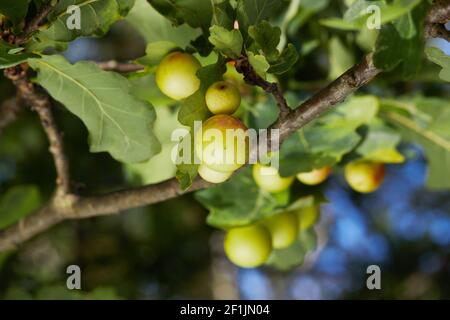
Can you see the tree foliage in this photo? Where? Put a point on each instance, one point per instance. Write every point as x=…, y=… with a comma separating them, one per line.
x=119, y=113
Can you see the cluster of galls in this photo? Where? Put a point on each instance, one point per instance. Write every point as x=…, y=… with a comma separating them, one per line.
x=251, y=246
x=363, y=176
x=248, y=246
x=220, y=154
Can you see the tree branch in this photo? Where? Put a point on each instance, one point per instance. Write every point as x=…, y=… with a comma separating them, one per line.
x=437, y=17
x=34, y=24
x=333, y=94
x=439, y=12
x=40, y=103
x=120, y=67
x=80, y=208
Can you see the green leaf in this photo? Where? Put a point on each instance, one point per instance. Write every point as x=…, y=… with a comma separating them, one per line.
x=223, y=13
x=316, y=5
x=327, y=139
x=11, y=55
x=341, y=59
x=433, y=135
x=252, y=12
x=156, y=51
x=294, y=255
x=357, y=9
x=196, y=13
x=194, y=108
x=338, y=23
x=439, y=57
x=367, y=38
x=239, y=201
x=405, y=26
x=259, y=63
x=160, y=167
x=355, y=18
x=15, y=10
x=125, y=6
x=186, y=173
x=96, y=17
x=397, y=9
x=380, y=144
x=285, y=61
x=117, y=122
x=392, y=50
x=143, y=87
x=261, y=114
x=266, y=37
x=17, y=202
x=156, y=28
x=308, y=8
x=227, y=42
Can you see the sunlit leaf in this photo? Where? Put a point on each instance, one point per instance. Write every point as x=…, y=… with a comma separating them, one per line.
x=433, y=135
x=228, y=42
x=440, y=58
x=117, y=122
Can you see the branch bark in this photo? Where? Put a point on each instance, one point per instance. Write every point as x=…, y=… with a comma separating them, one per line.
x=251, y=77
x=121, y=67
x=333, y=94
x=439, y=12
x=79, y=208
x=437, y=17
x=40, y=102
x=34, y=24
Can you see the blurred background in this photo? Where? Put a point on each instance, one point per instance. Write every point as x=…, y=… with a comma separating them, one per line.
x=166, y=251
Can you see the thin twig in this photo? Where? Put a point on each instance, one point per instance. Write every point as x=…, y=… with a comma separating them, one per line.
x=40, y=103
x=435, y=30
x=437, y=17
x=121, y=67
x=251, y=77
x=335, y=93
x=34, y=24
